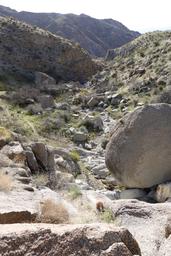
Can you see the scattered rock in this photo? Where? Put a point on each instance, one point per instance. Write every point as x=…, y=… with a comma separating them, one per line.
x=14, y=151
x=93, y=102
x=93, y=123
x=165, y=249
x=64, y=160
x=100, y=171
x=5, y=161
x=115, y=99
x=46, y=101
x=35, y=109
x=42, y=79
x=163, y=192
x=80, y=137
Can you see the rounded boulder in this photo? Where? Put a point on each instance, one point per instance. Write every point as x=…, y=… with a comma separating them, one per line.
x=139, y=151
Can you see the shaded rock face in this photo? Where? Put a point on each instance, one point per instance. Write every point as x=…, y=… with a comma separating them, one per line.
x=32, y=49
x=17, y=216
x=96, y=36
x=84, y=240
x=138, y=153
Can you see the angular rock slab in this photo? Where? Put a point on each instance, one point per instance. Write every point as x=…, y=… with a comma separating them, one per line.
x=75, y=240
x=139, y=152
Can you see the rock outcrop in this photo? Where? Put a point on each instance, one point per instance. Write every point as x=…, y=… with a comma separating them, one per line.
x=94, y=35
x=26, y=48
x=138, y=153
x=149, y=224
x=68, y=240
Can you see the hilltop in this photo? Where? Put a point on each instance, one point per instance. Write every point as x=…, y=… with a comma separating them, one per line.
x=94, y=35
x=25, y=49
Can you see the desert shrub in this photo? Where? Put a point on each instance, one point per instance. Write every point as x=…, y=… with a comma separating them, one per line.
x=40, y=179
x=5, y=134
x=107, y=216
x=5, y=182
x=52, y=212
x=65, y=115
x=74, y=192
x=74, y=155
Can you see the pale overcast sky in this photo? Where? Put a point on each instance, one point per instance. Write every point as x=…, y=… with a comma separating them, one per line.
x=144, y=15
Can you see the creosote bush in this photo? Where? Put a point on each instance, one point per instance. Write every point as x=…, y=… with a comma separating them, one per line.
x=52, y=212
x=107, y=216
x=5, y=134
x=74, y=155
x=74, y=192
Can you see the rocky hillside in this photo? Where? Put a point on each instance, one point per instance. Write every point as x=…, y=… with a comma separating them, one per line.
x=25, y=49
x=79, y=154
x=140, y=72
x=96, y=36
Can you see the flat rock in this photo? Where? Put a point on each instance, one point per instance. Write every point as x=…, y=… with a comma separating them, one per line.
x=147, y=222
x=65, y=240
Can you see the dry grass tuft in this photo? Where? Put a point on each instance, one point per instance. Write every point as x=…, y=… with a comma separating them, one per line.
x=4, y=133
x=5, y=182
x=52, y=212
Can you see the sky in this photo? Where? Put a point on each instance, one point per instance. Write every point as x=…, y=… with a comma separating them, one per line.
x=139, y=15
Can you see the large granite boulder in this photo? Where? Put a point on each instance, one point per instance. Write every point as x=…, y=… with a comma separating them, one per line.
x=68, y=240
x=139, y=151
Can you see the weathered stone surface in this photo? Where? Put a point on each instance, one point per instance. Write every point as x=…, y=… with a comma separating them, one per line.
x=168, y=227
x=80, y=137
x=100, y=171
x=132, y=194
x=31, y=161
x=147, y=222
x=163, y=192
x=165, y=249
x=55, y=240
x=5, y=161
x=14, y=151
x=17, y=207
x=138, y=153
x=40, y=151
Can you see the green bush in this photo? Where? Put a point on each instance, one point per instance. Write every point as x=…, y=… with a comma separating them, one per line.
x=74, y=155
x=107, y=216
x=74, y=192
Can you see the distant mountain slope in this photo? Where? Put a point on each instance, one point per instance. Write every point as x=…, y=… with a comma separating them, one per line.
x=28, y=48
x=94, y=35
